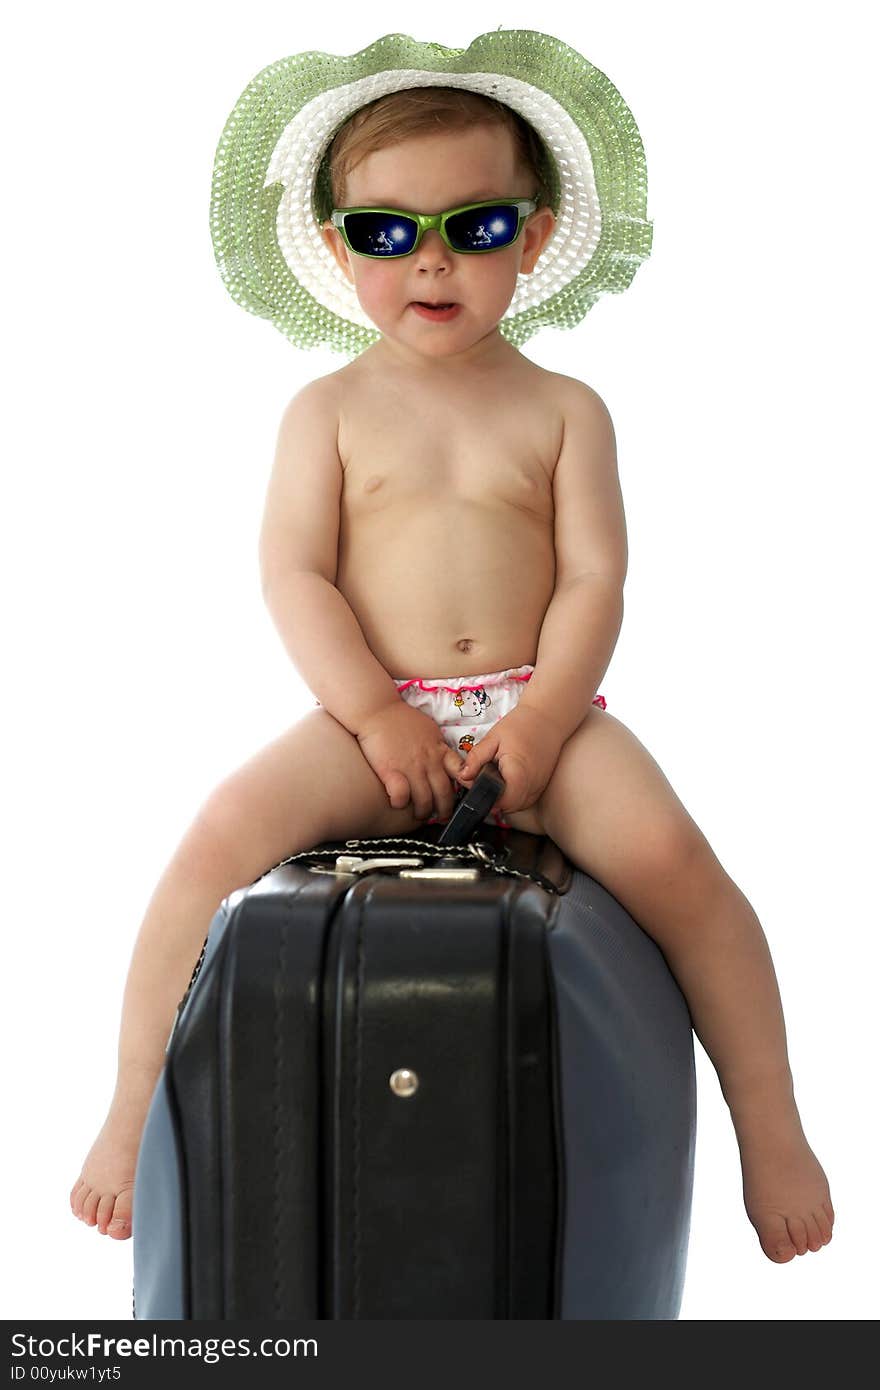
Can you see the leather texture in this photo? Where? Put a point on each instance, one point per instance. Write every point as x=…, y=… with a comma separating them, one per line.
x=629, y=1099
x=542, y=1167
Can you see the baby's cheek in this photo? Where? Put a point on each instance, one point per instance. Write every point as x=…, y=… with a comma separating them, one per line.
x=377, y=290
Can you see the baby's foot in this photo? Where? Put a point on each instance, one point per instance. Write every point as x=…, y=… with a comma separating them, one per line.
x=786, y=1192
x=102, y=1194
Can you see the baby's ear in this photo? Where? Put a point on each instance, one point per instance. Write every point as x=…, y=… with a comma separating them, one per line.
x=538, y=231
x=338, y=248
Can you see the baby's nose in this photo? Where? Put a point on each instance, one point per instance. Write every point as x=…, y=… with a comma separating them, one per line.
x=433, y=247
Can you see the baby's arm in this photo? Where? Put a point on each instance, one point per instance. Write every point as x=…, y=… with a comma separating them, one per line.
x=299, y=542
x=583, y=619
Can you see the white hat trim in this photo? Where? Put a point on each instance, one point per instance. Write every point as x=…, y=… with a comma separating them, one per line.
x=301, y=146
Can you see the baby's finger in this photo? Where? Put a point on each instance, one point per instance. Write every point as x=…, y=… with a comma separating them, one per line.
x=453, y=762
x=444, y=795
x=398, y=790
x=515, y=776
x=422, y=797
x=482, y=753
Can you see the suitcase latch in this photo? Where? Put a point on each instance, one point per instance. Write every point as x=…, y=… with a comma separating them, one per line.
x=451, y=875
x=406, y=868
x=355, y=864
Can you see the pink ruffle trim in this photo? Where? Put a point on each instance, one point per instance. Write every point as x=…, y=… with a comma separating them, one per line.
x=598, y=700
x=454, y=689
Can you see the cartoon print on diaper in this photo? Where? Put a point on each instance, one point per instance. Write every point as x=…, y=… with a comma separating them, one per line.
x=471, y=702
x=466, y=743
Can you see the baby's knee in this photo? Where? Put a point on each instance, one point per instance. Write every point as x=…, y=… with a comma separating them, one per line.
x=675, y=857
x=224, y=838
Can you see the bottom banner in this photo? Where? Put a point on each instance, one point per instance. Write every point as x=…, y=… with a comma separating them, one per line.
x=320, y=1353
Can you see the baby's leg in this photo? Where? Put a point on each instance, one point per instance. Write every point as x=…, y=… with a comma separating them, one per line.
x=611, y=810
x=311, y=784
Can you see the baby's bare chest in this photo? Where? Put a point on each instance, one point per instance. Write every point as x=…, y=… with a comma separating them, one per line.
x=446, y=540
x=447, y=457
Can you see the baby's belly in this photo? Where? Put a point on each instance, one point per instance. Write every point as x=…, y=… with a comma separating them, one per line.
x=462, y=591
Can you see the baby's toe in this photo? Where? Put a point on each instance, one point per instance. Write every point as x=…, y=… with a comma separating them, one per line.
x=775, y=1240
x=814, y=1235
x=120, y=1222
x=104, y=1211
x=824, y=1223
x=797, y=1229
x=78, y=1194
x=90, y=1206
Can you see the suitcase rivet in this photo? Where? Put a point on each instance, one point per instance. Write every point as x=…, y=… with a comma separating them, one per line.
x=403, y=1082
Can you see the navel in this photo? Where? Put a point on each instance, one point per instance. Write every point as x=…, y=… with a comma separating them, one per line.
x=465, y=644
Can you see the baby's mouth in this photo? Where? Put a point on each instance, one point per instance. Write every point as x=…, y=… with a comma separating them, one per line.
x=433, y=311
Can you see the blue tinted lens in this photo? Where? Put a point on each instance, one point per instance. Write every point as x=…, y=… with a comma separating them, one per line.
x=380, y=233
x=483, y=229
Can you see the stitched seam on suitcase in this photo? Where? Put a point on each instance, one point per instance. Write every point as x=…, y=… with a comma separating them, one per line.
x=277, y=1101
x=363, y=905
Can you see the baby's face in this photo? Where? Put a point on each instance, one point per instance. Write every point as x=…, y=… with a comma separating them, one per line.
x=430, y=174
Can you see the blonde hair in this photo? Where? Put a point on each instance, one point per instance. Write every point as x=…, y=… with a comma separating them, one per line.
x=420, y=111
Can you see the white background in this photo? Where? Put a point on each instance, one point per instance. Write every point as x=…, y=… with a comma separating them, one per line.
x=141, y=412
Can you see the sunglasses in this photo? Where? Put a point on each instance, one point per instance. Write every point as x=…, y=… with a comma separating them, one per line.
x=387, y=233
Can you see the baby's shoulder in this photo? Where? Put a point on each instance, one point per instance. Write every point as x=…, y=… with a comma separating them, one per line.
x=571, y=392
x=317, y=401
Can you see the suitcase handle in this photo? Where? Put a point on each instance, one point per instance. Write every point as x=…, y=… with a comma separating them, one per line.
x=473, y=805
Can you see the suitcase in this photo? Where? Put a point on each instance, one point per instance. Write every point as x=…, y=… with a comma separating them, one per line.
x=446, y=1076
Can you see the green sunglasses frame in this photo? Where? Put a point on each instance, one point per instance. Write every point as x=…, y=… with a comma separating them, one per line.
x=426, y=221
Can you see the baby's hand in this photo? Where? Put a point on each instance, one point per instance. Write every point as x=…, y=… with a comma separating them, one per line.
x=410, y=756
x=526, y=747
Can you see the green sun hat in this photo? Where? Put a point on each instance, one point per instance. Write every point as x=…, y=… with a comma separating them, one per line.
x=270, y=190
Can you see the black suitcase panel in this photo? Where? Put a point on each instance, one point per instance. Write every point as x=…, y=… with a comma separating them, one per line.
x=419, y=1097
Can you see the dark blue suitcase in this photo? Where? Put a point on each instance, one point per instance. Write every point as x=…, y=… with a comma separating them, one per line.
x=423, y=1079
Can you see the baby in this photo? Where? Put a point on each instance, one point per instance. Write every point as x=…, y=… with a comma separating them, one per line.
x=442, y=504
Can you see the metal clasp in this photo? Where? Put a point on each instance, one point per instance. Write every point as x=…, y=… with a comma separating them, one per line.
x=356, y=864
x=462, y=875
